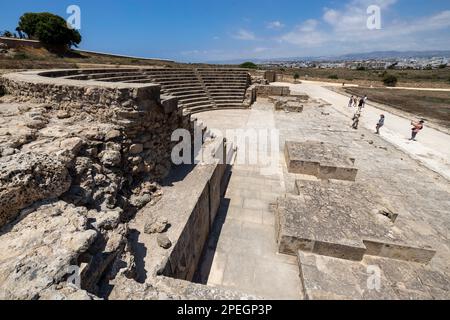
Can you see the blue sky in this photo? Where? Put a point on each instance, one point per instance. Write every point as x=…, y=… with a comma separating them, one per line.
x=218, y=30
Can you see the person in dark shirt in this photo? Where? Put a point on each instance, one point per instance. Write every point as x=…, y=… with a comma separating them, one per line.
x=380, y=124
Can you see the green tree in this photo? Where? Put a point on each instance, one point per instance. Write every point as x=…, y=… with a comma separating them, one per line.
x=390, y=80
x=296, y=76
x=48, y=28
x=249, y=65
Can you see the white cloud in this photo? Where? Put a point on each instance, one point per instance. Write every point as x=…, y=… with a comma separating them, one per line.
x=243, y=34
x=275, y=25
x=341, y=28
x=346, y=30
x=305, y=34
x=260, y=49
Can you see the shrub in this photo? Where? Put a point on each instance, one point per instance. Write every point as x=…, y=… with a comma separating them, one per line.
x=296, y=76
x=443, y=66
x=390, y=80
x=361, y=68
x=2, y=90
x=248, y=65
x=21, y=56
x=333, y=76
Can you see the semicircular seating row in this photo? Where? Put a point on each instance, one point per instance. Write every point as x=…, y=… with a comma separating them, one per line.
x=196, y=89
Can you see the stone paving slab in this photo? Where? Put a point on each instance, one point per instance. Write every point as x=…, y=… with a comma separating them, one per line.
x=342, y=220
x=323, y=160
x=337, y=279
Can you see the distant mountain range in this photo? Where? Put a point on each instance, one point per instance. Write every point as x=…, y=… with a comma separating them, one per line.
x=354, y=56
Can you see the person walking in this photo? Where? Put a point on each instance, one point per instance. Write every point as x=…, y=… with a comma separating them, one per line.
x=417, y=127
x=361, y=103
x=356, y=120
x=364, y=101
x=380, y=124
x=350, y=103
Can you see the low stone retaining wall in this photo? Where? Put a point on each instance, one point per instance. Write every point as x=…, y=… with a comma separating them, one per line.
x=16, y=43
x=190, y=207
x=266, y=91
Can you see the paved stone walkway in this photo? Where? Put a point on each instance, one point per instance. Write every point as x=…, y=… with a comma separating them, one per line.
x=242, y=251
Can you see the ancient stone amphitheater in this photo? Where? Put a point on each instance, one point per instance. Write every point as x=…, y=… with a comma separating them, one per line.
x=195, y=89
x=93, y=205
x=82, y=153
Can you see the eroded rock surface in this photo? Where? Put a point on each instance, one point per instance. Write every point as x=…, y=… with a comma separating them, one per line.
x=26, y=178
x=37, y=252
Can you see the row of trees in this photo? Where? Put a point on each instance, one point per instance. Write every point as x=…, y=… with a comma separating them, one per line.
x=50, y=29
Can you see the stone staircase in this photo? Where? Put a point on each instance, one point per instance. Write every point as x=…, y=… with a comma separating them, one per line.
x=196, y=89
x=227, y=87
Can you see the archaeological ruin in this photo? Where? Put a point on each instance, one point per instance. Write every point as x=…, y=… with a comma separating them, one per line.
x=93, y=207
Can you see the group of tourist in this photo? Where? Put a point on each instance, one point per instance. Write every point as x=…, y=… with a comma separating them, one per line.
x=360, y=104
x=417, y=126
x=355, y=102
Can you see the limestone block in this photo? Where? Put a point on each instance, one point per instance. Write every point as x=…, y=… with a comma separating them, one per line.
x=323, y=160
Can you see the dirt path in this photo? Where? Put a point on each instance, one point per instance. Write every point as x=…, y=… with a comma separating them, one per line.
x=432, y=148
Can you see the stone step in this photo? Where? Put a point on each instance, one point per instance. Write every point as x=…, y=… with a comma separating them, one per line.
x=228, y=102
x=143, y=80
x=177, y=81
x=195, y=104
x=100, y=75
x=185, y=92
x=196, y=109
x=226, y=90
x=188, y=95
x=224, y=77
x=181, y=85
x=173, y=76
x=122, y=78
x=225, y=83
x=183, y=88
x=193, y=100
x=227, y=94
x=222, y=88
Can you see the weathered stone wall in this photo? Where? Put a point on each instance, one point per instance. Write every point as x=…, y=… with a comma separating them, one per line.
x=266, y=91
x=102, y=148
x=270, y=76
x=16, y=43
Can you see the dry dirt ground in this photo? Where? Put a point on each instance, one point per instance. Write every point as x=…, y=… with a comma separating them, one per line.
x=438, y=78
